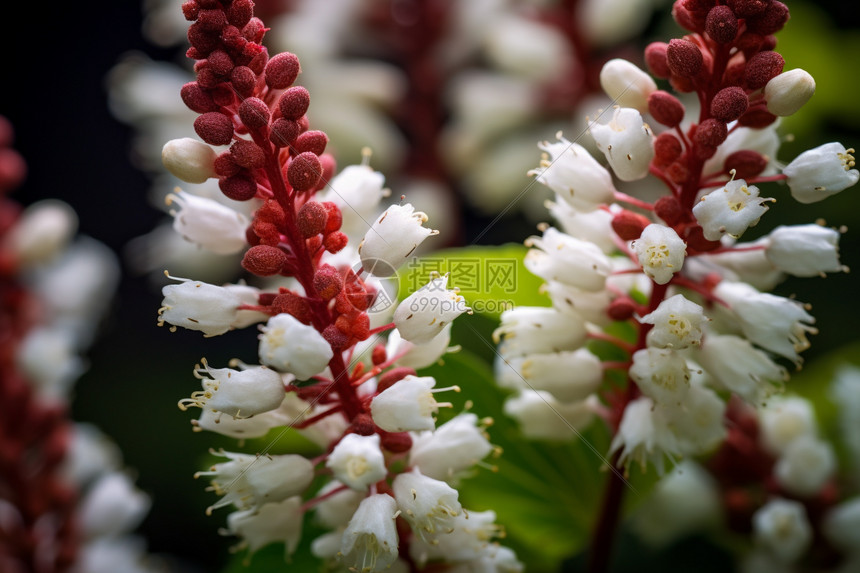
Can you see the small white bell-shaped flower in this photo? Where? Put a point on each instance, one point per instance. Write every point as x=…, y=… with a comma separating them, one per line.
x=42, y=232
x=196, y=305
x=784, y=420
x=417, y=356
x=697, y=423
x=821, y=172
x=542, y=417
x=661, y=374
x=627, y=143
x=568, y=375
x=781, y=526
x=336, y=509
x=429, y=505
x=677, y=324
x=357, y=191
x=188, y=159
x=643, y=435
x=237, y=393
x=288, y=345
x=454, y=447
x=357, y=461
x=805, y=466
x=626, y=84
x=841, y=525
x=471, y=535
x=392, y=239
x=112, y=505
x=730, y=210
x=208, y=223
x=408, y=405
x=426, y=312
x=370, y=541
x=789, y=91
x=804, y=250
x=660, y=252
x=594, y=226
x=736, y=365
x=279, y=522
x=531, y=329
x=576, y=177
x=589, y=305
x=560, y=257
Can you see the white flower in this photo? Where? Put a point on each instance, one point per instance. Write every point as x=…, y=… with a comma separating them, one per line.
x=392, y=239
x=48, y=357
x=661, y=374
x=697, y=422
x=736, y=365
x=562, y=258
x=531, y=329
x=805, y=466
x=784, y=420
x=249, y=481
x=541, y=416
x=845, y=391
x=90, y=454
x=407, y=405
x=113, y=505
x=786, y=93
x=424, y=313
x=773, y=322
x=782, y=527
x=256, y=426
x=730, y=210
x=677, y=323
x=567, y=375
x=472, y=533
x=627, y=143
x=576, y=177
x=643, y=435
x=429, y=505
x=594, y=227
x=208, y=223
x=250, y=296
x=804, y=250
x=589, y=305
x=357, y=461
x=337, y=509
x=237, y=393
x=821, y=172
x=626, y=84
x=196, y=305
x=287, y=345
x=841, y=525
x=42, y=231
x=357, y=190
x=418, y=356
x=188, y=159
x=455, y=446
x=273, y=522
x=526, y=46
x=124, y=553
x=370, y=541
x=607, y=23
x=660, y=252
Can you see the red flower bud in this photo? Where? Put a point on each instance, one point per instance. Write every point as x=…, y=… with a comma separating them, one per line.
x=328, y=282
x=282, y=70
x=757, y=118
x=244, y=80
x=294, y=102
x=289, y=302
x=240, y=12
x=393, y=376
x=665, y=108
x=337, y=339
x=667, y=148
x=747, y=8
x=264, y=260
x=695, y=239
x=761, y=68
x=304, y=171
x=311, y=219
x=336, y=241
x=396, y=443
x=196, y=98
x=363, y=425
x=190, y=10
x=334, y=218
x=710, y=133
x=378, y=356
x=214, y=128
x=669, y=209
x=254, y=30
x=212, y=20
x=248, y=154
x=313, y=141
x=629, y=225
x=729, y=104
x=746, y=163
x=220, y=62
x=283, y=132
x=225, y=166
x=254, y=112
x=656, y=59
x=239, y=187
x=622, y=308
x=684, y=58
x=721, y=25
x=771, y=21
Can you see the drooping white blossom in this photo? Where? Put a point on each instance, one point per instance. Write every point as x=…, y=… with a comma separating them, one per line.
x=821, y=172
x=429, y=505
x=288, y=345
x=782, y=527
x=736, y=365
x=208, y=223
x=568, y=375
x=593, y=226
x=626, y=84
x=627, y=142
x=678, y=324
x=336, y=509
x=196, y=305
x=661, y=374
x=392, y=239
x=271, y=523
x=643, y=435
x=730, y=210
x=357, y=461
x=560, y=257
x=660, y=252
x=237, y=393
x=784, y=420
x=407, y=405
x=425, y=313
x=804, y=250
x=357, y=191
x=530, y=329
x=576, y=177
x=805, y=465
x=370, y=541
x=418, y=356
x=541, y=416
x=113, y=505
x=452, y=448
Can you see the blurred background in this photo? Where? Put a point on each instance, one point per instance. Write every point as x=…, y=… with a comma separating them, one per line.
x=57, y=59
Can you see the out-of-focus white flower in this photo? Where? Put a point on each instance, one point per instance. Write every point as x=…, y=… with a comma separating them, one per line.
x=697, y=422
x=626, y=84
x=424, y=314
x=429, y=505
x=208, y=223
x=418, y=356
x=605, y=23
x=784, y=420
x=287, y=345
x=576, y=177
x=677, y=324
x=736, y=365
x=805, y=465
x=48, y=357
x=91, y=453
x=804, y=250
x=568, y=375
x=643, y=435
x=660, y=252
x=841, y=525
x=237, y=393
x=196, y=305
x=562, y=258
x=531, y=329
x=526, y=46
x=627, y=143
x=188, y=159
x=821, y=172
x=471, y=535
x=42, y=232
x=357, y=191
x=370, y=541
x=455, y=446
x=541, y=416
x=742, y=264
x=110, y=554
x=786, y=93
x=730, y=210
x=335, y=510
x=357, y=461
x=661, y=374
x=594, y=226
x=392, y=239
x=407, y=405
x=279, y=522
x=782, y=527
x=590, y=305
x=112, y=506
x=845, y=391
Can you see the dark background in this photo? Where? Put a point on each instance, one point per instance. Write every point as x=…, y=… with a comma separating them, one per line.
x=55, y=60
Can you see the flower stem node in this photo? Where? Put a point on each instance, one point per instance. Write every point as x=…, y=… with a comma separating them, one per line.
x=392, y=239
x=208, y=223
x=821, y=172
x=788, y=92
x=369, y=543
x=427, y=504
x=288, y=345
x=425, y=313
x=730, y=210
x=627, y=143
x=626, y=84
x=188, y=159
x=357, y=461
x=660, y=252
x=237, y=393
x=196, y=305
x=408, y=405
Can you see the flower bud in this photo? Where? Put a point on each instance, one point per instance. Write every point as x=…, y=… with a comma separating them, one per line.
x=254, y=113
x=313, y=141
x=684, y=58
x=264, y=260
x=240, y=187
x=657, y=60
x=730, y=210
x=821, y=172
x=424, y=313
x=197, y=99
x=669, y=209
x=247, y=154
x=788, y=92
x=212, y=225
x=771, y=20
x=282, y=70
x=111, y=506
x=357, y=461
x=304, y=171
x=392, y=239
x=629, y=225
x=627, y=143
x=287, y=345
x=729, y=104
x=626, y=84
x=294, y=102
x=721, y=24
x=237, y=393
x=283, y=131
x=761, y=68
x=746, y=163
x=189, y=159
x=665, y=108
x=660, y=252
x=214, y=128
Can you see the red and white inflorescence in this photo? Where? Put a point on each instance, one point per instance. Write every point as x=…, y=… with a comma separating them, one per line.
x=390, y=502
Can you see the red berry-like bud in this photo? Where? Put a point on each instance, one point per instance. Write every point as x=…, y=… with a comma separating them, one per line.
x=294, y=102
x=225, y=166
x=396, y=443
x=393, y=376
x=311, y=219
x=747, y=8
x=336, y=339
x=240, y=12
x=761, y=68
x=378, y=356
x=220, y=62
x=254, y=113
x=669, y=209
x=248, y=154
x=695, y=239
x=200, y=39
x=289, y=302
x=264, y=260
x=771, y=21
x=629, y=225
x=328, y=282
x=710, y=133
x=271, y=212
x=244, y=80
x=363, y=425
x=254, y=30
x=686, y=18
x=734, y=74
x=223, y=96
x=282, y=70
x=267, y=233
x=665, y=108
x=259, y=59
x=360, y=327
x=721, y=25
x=682, y=85
x=684, y=58
x=304, y=171
x=212, y=20
x=678, y=172
x=207, y=78
x=214, y=128
x=239, y=187
x=13, y=170
x=667, y=148
x=283, y=132
x=750, y=43
x=313, y=141
x=328, y=168
x=336, y=241
x=729, y=104
x=234, y=41
x=656, y=59
x=622, y=308
x=196, y=98
x=190, y=10
x=746, y=163
x=334, y=218
x=756, y=118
